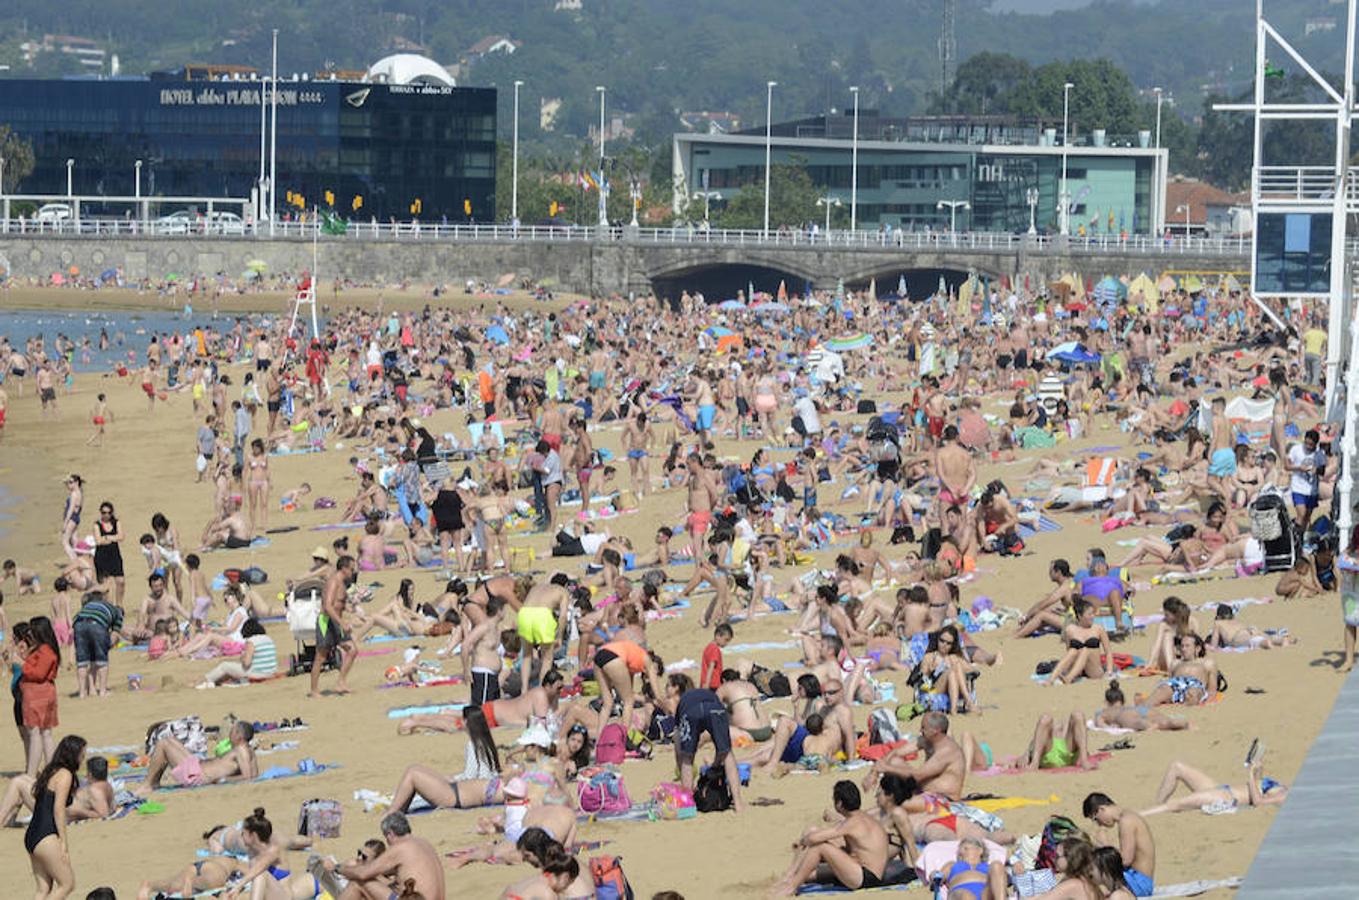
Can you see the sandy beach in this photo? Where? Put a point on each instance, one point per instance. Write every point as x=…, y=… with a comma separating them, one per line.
x=146, y=465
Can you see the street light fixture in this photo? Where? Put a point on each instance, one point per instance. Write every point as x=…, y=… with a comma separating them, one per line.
x=273, y=136
x=137, y=186
x=828, y=201
x=1184, y=208
x=1159, y=94
x=603, y=200
x=768, y=132
x=1031, y=195
x=1064, y=200
x=706, y=196
x=514, y=169
x=70, y=192
x=635, y=195
x=953, y=206
x=854, y=167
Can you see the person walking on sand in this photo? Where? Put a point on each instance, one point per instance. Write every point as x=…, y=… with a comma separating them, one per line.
x=38, y=691
x=330, y=633
x=45, y=840
x=100, y=416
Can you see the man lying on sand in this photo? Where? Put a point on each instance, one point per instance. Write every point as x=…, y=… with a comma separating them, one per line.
x=239, y=764
x=538, y=704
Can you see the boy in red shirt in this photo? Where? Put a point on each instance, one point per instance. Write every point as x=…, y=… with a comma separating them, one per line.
x=710, y=674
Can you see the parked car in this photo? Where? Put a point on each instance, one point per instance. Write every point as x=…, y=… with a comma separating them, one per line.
x=225, y=222
x=179, y=222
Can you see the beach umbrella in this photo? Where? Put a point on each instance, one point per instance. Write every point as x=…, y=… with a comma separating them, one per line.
x=1192, y=284
x=108, y=274
x=1166, y=284
x=257, y=266
x=901, y=285
x=849, y=342
x=498, y=334
x=783, y=291
x=1109, y=290
x=250, y=275
x=173, y=276
x=505, y=280
x=873, y=289
x=58, y=278
x=74, y=270
x=731, y=305
x=770, y=307
x=840, y=289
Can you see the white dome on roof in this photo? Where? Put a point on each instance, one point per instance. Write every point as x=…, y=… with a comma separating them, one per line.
x=410, y=68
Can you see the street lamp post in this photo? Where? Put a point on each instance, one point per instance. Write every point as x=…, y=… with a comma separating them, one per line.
x=635, y=195
x=768, y=132
x=828, y=201
x=953, y=206
x=137, y=187
x=603, y=200
x=514, y=167
x=1063, y=217
x=854, y=167
x=70, y=191
x=705, y=196
x=1159, y=94
x=273, y=134
x=1032, y=196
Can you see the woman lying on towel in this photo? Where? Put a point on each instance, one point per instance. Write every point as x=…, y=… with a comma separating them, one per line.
x=1211, y=796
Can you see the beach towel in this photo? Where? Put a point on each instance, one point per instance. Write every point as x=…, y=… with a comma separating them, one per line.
x=1108, y=729
x=1194, y=888
x=1003, y=803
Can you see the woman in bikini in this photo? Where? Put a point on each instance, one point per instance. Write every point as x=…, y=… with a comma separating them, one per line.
x=766, y=402
x=945, y=686
x=257, y=486
x=70, y=516
x=267, y=854
x=1086, y=642
x=1208, y=794
x=1177, y=621
x=477, y=785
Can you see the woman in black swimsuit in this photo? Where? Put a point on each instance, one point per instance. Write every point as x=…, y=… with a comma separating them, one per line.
x=52, y=793
x=1086, y=642
x=108, y=556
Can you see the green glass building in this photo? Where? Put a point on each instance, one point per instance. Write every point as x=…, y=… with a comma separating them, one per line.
x=907, y=166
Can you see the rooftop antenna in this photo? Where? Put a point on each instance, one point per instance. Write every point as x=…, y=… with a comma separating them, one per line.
x=948, y=47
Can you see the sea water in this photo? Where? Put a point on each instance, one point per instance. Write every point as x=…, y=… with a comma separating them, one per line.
x=128, y=331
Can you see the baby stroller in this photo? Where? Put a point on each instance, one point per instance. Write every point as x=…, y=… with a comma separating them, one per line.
x=741, y=485
x=303, y=607
x=1271, y=523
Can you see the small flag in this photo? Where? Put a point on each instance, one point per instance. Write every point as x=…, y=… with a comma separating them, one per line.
x=588, y=180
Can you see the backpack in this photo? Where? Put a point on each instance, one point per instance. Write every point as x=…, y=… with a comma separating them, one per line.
x=612, y=746
x=254, y=575
x=188, y=731
x=1058, y=829
x=602, y=791
x=320, y=818
x=711, y=792
x=672, y=801
x=610, y=882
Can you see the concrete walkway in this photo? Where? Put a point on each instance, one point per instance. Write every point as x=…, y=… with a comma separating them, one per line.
x=1311, y=850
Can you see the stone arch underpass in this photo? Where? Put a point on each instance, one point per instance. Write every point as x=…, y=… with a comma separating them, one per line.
x=720, y=279
x=921, y=274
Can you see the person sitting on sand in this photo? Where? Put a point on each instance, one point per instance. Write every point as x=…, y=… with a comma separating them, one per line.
x=1050, y=612
x=558, y=874
x=855, y=850
x=538, y=704
x=407, y=859
x=1058, y=744
x=1132, y=840
x=942, y=772
x=477, y=785
x=1088, y=653
x=231, y=532
x=1227, y=632
x=1212, y=795
x=1299, y=581
x=1192, y=681
x=92, y=800
x=239, y=764
x=971, y=873
x=1116, y=714
x=25, y=580
x=1177, y=621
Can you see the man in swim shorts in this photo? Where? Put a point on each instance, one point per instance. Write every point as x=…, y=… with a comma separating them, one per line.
x=1132, y=840
x=541, y=619
x=858, y=842
x=1059, y=745
x=189, y=771
x=703, y=494
x=699, y=711
x=330, y=634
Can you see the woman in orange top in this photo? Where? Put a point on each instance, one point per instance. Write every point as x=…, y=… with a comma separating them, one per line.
x=38, y=692
x=615, y=664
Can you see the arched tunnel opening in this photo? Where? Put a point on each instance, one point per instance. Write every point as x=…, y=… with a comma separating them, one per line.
x=721, y=281
x=919, y=283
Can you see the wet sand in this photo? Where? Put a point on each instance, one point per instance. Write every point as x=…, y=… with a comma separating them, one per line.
x=147, y=466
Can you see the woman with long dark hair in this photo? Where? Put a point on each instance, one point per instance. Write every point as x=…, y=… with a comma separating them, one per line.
x=21, y=642
x=108, y=555
x=269, y=870
x=45, y=839
x=477, y=785
x=38, y=691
